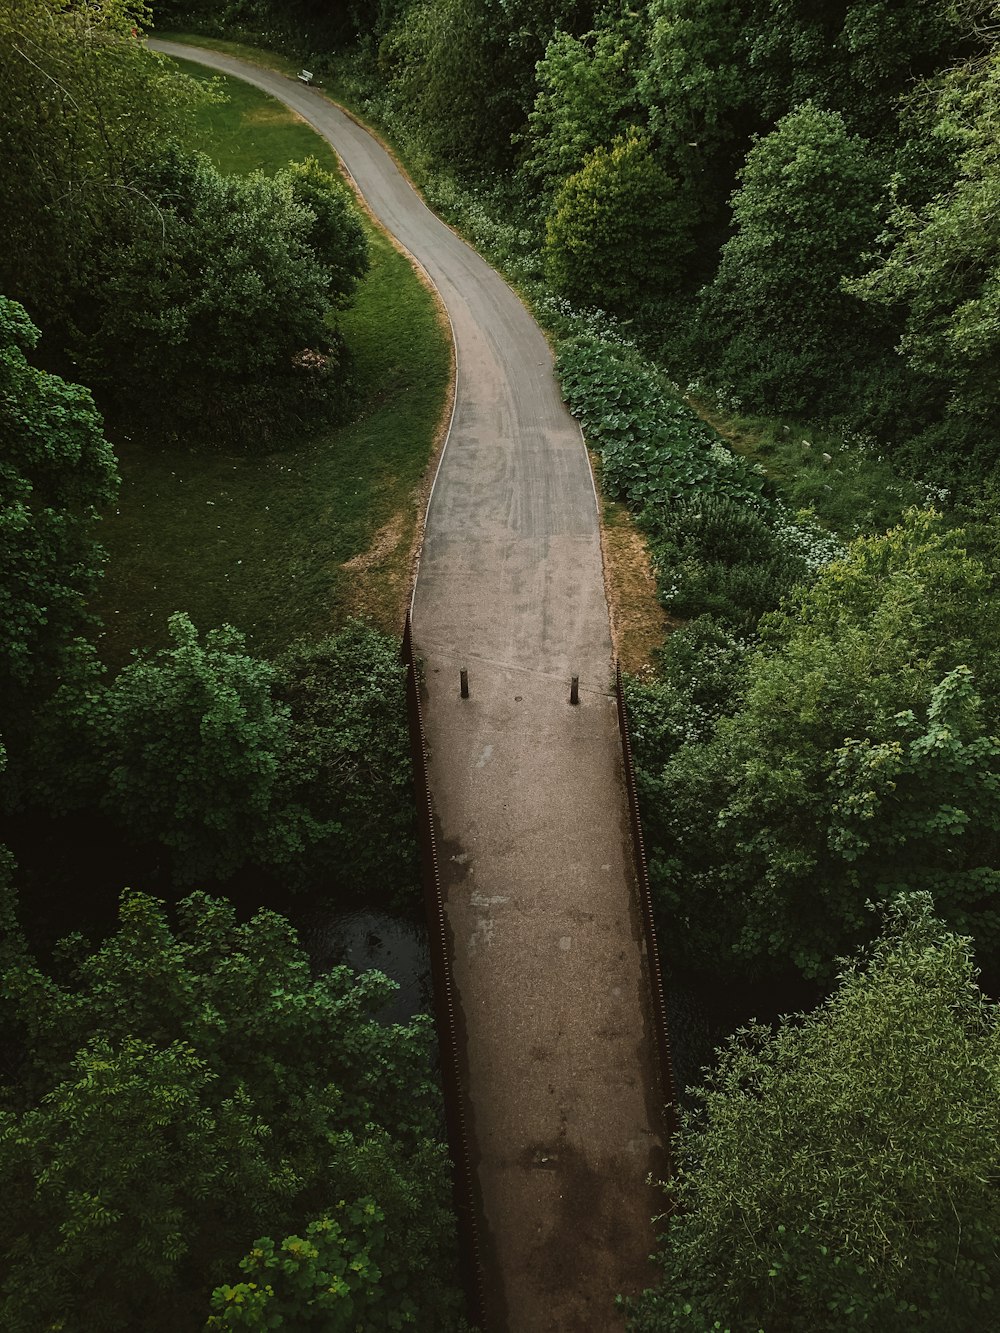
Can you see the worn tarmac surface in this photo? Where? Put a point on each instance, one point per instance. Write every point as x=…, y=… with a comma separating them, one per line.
x=559, y=1067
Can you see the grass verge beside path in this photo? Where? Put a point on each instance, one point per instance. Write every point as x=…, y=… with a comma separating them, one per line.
x=287, y=545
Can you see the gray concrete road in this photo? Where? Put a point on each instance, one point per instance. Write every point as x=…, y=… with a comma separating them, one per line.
x=563, y=1100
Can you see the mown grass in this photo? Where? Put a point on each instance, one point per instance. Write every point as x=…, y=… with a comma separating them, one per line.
x=250, y=131
x=262, y=542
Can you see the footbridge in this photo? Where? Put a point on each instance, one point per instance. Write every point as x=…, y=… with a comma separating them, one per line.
x=549, y=961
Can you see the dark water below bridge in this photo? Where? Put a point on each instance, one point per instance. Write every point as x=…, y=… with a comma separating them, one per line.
x=74, y=867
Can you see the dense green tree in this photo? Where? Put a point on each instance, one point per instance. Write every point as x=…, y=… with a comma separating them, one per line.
x=941, y=275
x=587, y=94
x=618, y=233
x=217, y=759
x=83, y=106
x=182, y=1092
x=839, y=1172
x=334, y=233
x=56, y=472
x=855, y=57
x=449, y=71
x=349, y=756
x=807, y=210
x=188, y=301
x=463, y=71
x=722, y=69
x=192, y=749
x=695, y=83
x=217, y=315
x=859, y=757
x=720, y=72
x=934, y=785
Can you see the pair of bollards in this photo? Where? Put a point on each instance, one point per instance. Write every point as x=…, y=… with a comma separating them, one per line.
x=574, y=686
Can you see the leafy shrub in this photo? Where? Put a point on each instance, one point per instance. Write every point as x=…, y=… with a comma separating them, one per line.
x=586, y=94
x=717, y=556
x=217, y=313
x=56, y=472
x=702, y=671
x=349, y=760
x=837, y=1173
x=184, y=1090
x=654, y=448
x=619, y=232
x=719, y=544
x=194, y=748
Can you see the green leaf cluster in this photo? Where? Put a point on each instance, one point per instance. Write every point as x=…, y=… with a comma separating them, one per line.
x=191, y=747
x=349, y=757
x=216, y=313
x=654, y=449
x=180, y=1092
x=720, y=544
x=618, y=232
x=586, y=96
x=220, y=759
x=56, y=472
x=861, y=758
x=838, y=1172
x=344, y=1274
x=939, y=268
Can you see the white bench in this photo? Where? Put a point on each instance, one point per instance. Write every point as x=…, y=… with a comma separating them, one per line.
x=305, y=75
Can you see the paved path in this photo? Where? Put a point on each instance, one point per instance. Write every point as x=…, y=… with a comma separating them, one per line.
x=559, y=1064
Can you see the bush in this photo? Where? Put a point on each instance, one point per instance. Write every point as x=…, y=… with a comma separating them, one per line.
x=349, y=759
x=619, y=232
x=193, y=750
x=719, y=544
x=717, y=556
x=56, y=473
x=837, y=1173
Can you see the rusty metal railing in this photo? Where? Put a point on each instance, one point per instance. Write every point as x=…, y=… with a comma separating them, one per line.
x=661, y=1033
x=463, y=1179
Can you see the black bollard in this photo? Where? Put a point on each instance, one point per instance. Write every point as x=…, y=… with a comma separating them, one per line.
x=574, y=690
x=464, y=677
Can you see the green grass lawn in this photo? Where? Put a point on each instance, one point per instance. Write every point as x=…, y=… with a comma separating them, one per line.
x=262, y=542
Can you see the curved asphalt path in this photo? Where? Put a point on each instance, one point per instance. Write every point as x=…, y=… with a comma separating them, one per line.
x=562, y=1094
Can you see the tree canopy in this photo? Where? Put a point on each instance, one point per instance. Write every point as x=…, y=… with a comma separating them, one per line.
x=181, y=1093
x=56, y=472
x=188, y=301
x=838, y=1172
x=860, y=757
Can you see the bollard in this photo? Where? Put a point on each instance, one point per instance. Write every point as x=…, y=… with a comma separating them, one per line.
x=574, y=690
x=463, y=676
